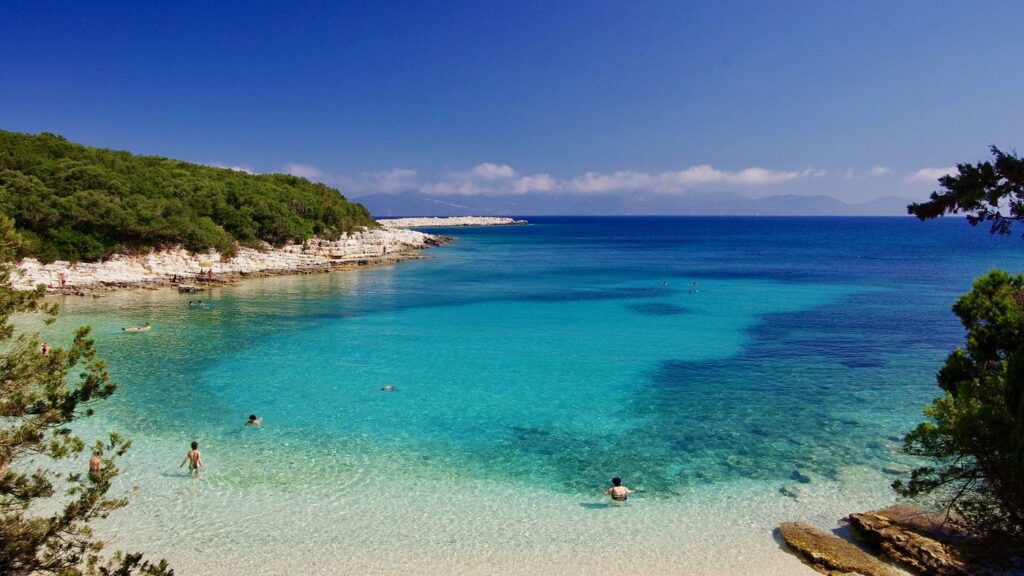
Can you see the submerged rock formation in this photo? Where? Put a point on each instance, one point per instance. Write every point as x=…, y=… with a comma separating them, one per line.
x=830, y=554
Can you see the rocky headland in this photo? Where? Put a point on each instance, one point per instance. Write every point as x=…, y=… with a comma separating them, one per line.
x=179, y=267
x=450, y=221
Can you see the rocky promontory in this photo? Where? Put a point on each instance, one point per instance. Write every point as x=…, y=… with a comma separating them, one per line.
x=177, y=266
x=450, y=221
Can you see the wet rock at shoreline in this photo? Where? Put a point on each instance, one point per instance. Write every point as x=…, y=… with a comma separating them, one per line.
x=830, y=554
x=920, y=540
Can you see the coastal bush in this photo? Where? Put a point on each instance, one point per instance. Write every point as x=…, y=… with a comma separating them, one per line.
x=975, y=432
x=74, y=202
x=45, y=514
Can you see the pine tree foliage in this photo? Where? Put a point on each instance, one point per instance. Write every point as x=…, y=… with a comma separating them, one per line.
x=975, y=431
x=986, y=192
x=45, y=515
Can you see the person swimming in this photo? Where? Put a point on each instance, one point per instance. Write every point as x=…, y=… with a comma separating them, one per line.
x=253, y=421
x=388, y=388
x=194, y=459
x=144, y=328
x=618, y=492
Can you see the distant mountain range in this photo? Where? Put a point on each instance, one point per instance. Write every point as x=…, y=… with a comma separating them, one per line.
x=626, y=204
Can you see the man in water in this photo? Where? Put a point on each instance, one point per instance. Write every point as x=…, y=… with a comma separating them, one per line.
x=96, y=462
x=388, y=388
x=253, y=421
x=194, y=459
x=618, y=492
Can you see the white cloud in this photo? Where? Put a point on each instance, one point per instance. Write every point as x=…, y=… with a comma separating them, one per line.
x=880, y=170
x=305, y=171
x=680, y=181
x=535, y=183
x=246, y=169
x=489, y=171
x=930, y=174
x=394, y=180
x=493, y=179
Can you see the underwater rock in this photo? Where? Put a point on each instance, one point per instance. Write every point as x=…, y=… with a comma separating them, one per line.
x=896, y=468
x=794, y=491
x=830, y=554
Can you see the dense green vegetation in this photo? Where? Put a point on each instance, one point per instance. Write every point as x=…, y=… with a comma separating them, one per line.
x=975, y=432
x=74, y=202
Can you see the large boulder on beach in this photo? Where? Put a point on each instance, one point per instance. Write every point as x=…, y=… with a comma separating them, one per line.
x=920, y=540
x=830, y=554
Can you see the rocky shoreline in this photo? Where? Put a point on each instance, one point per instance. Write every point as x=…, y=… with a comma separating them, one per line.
x=915, y=540
x=188, y=270
x=450, y=221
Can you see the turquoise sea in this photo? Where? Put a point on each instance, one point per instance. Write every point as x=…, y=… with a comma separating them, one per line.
x=735, y=372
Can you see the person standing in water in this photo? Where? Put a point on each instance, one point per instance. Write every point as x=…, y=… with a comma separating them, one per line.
x=96, y=462
x=618, y=492
x=253, y=421
x=194, y=459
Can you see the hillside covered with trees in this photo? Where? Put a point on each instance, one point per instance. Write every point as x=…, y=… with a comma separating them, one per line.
x=79, y=203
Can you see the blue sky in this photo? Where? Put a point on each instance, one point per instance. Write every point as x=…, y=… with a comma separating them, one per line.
x=855, y=100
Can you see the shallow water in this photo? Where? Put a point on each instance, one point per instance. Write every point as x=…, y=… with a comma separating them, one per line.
x=530, y=365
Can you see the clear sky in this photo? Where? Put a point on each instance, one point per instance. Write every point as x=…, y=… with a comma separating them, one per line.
x=850, y=99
